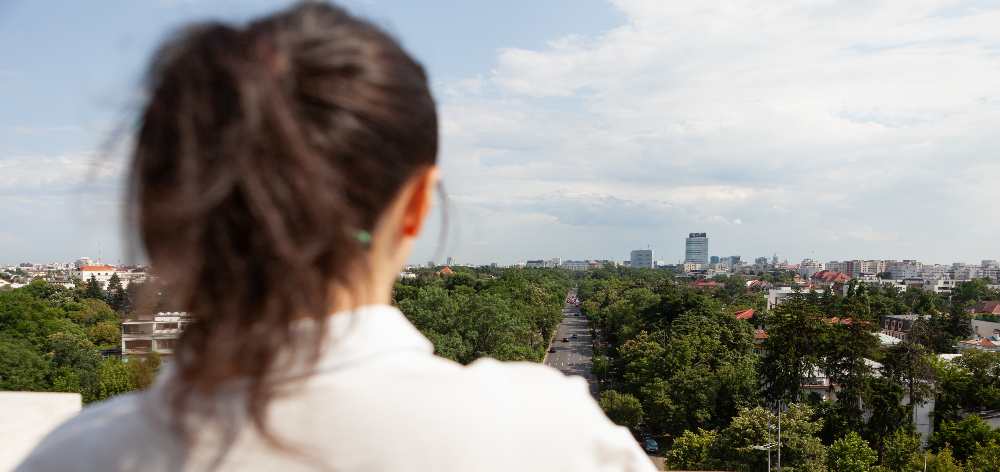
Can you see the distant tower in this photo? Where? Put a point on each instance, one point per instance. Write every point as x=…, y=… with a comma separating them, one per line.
x=696, y=249
x=641, y=259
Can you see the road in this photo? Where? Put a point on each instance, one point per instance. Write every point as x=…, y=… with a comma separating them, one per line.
x=574, y=356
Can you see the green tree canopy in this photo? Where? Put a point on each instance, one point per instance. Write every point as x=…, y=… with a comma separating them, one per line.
x=851, y=454
x=622, y=408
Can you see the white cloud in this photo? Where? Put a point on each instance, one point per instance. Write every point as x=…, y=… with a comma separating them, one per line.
x=791, y=120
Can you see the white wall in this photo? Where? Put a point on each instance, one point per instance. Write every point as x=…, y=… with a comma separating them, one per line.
x=26, y=417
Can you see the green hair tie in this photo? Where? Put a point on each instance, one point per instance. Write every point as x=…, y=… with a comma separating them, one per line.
x=363, y=237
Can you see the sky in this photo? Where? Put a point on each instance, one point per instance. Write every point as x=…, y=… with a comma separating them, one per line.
x=583, y=128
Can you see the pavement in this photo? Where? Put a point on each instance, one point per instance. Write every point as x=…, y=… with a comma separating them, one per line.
x=573, y=357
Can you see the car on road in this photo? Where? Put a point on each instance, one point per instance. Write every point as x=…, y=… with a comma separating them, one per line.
x=565, y=340
x=552, y=349
x=573, y=336
x=651, y=446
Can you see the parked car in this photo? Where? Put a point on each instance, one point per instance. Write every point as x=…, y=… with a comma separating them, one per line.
x=573, y=337
x=552, y=349
x=565, y=340
x=651, y=446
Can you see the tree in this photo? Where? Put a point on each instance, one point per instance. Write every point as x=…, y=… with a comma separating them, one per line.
x=114, y=378
x=800, y=447
x=693, y=450
x=851, y=454
x=105, y=334
x=93, y=289
x=909, y=365
x=600, y=367
x=142, y=370
x=943, y=461
x=76, y=362
x=91, y=311
x=986, y=458
x=117, y=297
x=791, y=348
x=963, y=437
x=899, y=449
x=622, y=408
x=21, y=366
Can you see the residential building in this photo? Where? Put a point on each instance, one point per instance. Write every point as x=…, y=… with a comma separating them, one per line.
x=535, y=264
x=829, y=278
x=988, y=307
x=101, y=273
x=576, y=265
x=776, y=296
x=809, y=267
x=157, y=333
x=900, y=326
x=692, y=267
x=713, y=260
x=696, y=248
x=906, y=269
x=642, y=259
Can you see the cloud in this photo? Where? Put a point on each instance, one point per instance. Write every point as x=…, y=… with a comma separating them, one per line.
x=811, y=118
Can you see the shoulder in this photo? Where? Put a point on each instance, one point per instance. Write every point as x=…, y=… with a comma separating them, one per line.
x=532, y=389
x=95, y=439
x=561, y=412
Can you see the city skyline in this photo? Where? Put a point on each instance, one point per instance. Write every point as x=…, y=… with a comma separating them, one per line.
x=586, y=129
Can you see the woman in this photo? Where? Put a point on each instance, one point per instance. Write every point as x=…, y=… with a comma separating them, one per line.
x=280, y=174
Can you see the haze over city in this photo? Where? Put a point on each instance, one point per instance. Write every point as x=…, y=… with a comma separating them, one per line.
x=586, y=129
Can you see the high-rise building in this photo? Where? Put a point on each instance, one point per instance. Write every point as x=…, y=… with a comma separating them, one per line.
x=714, y=260
x=641, y=259
x=696, y=249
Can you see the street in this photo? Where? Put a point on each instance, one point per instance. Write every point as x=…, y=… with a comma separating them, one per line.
x=573, y=357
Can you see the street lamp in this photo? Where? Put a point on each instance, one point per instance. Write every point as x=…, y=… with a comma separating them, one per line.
x=766, y=447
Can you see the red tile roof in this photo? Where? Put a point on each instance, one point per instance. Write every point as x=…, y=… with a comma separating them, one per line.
x=96, y=268
x=760, y=334
x=446, y=271
x=831, y=276
x=704, y=284
x=984, y=342
x=991, y=307
x=745, y=314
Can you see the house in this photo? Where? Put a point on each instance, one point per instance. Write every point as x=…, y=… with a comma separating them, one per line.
x=446, y=271
x=745, y=314
x=829, y=278
x=990, y=344
x=758, y=285
x=705, y=284
x=101, y=273
x=899, y=326
x=991, y=307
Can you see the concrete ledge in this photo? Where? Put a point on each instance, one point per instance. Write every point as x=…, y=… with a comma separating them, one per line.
x=26, y=417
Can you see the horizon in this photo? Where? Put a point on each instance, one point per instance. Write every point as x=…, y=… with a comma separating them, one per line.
x=859, y=131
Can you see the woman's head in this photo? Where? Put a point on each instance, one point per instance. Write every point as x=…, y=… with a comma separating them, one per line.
x=281, y=170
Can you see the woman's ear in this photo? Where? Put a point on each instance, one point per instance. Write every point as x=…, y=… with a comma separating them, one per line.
x=421, y=196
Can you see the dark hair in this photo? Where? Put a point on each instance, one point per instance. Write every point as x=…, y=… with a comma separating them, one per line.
x=263, y=152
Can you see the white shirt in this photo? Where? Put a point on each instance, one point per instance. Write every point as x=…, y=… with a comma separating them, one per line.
x=378, y=400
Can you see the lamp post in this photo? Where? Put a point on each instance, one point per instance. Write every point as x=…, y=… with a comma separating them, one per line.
x=766, y=447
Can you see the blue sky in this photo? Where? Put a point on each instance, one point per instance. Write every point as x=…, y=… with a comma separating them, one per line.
x=586, y=128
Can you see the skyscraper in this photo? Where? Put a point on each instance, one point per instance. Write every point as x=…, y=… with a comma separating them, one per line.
x=696, y=249
x=641, y=259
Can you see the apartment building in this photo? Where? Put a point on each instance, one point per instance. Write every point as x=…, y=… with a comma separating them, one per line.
x=157, y=333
